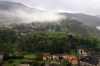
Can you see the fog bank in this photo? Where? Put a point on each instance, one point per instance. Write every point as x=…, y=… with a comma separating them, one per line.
x=28, y=16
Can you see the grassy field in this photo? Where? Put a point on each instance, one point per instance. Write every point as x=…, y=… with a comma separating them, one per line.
x=14, y=62
x=27, y=58
x=30, y=56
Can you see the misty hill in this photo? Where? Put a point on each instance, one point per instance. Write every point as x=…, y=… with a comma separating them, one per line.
x=69, y=25
x=76, y=27
x=10, y=6
x=98, y=16
x=16, y=13
x=8, y=11
x=6, y=5
x=86, y=19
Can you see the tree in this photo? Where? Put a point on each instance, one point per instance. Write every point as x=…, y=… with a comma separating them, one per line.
x=39, y=55
x=65, y=62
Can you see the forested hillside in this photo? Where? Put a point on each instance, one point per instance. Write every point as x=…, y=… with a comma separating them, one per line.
x=86, y=19
x=76, y=27
x=68, y=25
x=46, y=42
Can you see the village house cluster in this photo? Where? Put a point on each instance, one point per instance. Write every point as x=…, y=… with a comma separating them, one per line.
x=73, y=59
x=83, y=58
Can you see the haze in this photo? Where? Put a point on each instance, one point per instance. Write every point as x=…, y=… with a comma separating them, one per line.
x=23, y=14
x=91, y=7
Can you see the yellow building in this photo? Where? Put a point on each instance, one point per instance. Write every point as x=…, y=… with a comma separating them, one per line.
x=56, y=56
x=73, y=59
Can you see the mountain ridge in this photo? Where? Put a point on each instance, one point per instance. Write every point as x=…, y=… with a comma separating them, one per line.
x=12, y=7
x=20, y=13
x=84, y=18
x=8, y=5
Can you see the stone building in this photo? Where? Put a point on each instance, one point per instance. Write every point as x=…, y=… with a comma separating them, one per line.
x=89, y=61
x=47, y=56
x=81, y=53
x=86, y=59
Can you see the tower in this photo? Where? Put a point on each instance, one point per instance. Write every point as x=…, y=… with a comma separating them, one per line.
x=80, y=52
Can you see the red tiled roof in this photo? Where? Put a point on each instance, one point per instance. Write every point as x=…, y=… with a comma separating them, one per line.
x=72, y=57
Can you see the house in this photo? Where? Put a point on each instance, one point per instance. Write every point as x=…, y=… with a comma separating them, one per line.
x=39, y=28
x=56, y=56
x=89, y=61
x=47, y=56
x=73, y=59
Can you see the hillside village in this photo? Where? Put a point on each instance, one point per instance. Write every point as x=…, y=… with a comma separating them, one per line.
x=83, y=57
x=49, y=33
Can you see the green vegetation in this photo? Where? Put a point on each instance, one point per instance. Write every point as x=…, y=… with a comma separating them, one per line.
x=65, y=62
x=68, y=25
x=21, y=27
x=8, y=40
x=12, y=62
x=60, y=42
x=48, y=61
x=30, y=56
x=76, y=27
x=43, y=41
x=27, y=58
x=73, y=52
x=66, y=37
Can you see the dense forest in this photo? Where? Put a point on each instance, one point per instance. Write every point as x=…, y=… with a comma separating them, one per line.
x=58, y=42
x=76, y=27
x=53, y=42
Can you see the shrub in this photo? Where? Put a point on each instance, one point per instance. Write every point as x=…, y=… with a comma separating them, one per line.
x=10, y=61
x=15, y=57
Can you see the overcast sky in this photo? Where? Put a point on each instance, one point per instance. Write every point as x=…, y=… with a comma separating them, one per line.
x=91, y=7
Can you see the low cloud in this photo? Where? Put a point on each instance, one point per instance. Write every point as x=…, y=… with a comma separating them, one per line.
x=28, y=16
